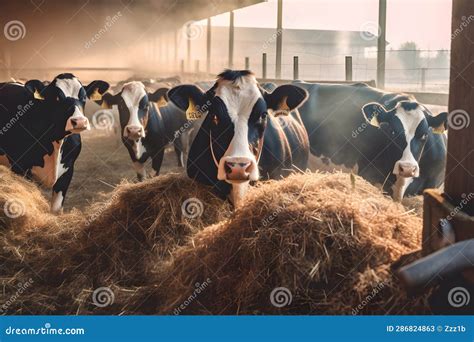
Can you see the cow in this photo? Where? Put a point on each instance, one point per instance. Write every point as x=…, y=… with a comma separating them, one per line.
x=187, y=135
x=390, y=138
x=39, y=129
x=246, y=134
x=147, y=124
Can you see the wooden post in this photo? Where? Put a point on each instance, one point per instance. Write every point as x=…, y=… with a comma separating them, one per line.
x=279, y=33
x=208, y=46
x=381, y=44
x=348, y=68
x=423, y=78
x=264, y=66
x=247, y=63
x=231, y=40
x=196, y=66
x=296, y=70
x=188, y=47
x=460, y=162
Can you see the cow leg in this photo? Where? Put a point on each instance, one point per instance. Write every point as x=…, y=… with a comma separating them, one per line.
x=156, y=161
x=60, y=189
x=140, y=170
x=178, y=149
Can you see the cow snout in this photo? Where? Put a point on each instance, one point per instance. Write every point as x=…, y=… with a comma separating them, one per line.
x=238, y=169
x=407, y=169
x=134, y=132
x=77, y=124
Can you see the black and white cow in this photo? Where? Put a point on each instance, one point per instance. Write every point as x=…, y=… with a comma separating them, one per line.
x=38, y=126
x=147, y=123
x=246, y=134
x=390, y=137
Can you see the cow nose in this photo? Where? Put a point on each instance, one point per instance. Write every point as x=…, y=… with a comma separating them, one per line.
x=134, y=132
x=238, y=169
x=407, y=169
x=79, y=123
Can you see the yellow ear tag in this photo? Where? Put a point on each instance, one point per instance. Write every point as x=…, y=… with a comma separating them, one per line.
x=283, y=107
x=439, y=130
x=192, y=113
x=37, y=95
x=374, y=121
x=162, y=102
x=105, y=105
x=96, y=96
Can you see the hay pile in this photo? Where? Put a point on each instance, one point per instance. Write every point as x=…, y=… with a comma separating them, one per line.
x=325, y=239
x=330, y=245
x=114, y=243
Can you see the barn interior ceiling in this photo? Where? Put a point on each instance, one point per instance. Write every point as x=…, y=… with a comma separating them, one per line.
x=77, y=32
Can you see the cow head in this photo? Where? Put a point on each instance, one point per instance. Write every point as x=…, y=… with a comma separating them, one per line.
x=232, y=132
x=133, y=103
x=407, y=125
x=64, y=99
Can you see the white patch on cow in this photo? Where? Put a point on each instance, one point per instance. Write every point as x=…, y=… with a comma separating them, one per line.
x=400, y=186
x=140, y=169
x=410, y=120
x=237, y=194
x=4, y=161
x=60, y=168
x=47, y=174
x=69, y=86
x=239, y=97
x=57, y=202
x=132, y=93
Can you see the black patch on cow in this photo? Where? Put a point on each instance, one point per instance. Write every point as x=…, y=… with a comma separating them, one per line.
x=234, y=75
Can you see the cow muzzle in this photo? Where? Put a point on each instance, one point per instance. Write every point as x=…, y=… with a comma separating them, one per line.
x=134, y=132
x=77, y=124
x=237, y=169
x=406, y=169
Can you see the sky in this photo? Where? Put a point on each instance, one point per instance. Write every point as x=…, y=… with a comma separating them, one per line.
x=426, y=22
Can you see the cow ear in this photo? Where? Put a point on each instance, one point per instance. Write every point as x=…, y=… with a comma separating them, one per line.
x=285, y=98
x=438, y=122
x=188, y=98
x=160, y=97
x=108, y=100
x=96, y=89
x=35, y=87
x=374, y=113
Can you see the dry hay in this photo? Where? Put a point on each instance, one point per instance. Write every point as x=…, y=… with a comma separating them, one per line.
x=330, y=245
x=114, y=243
x=328, y=240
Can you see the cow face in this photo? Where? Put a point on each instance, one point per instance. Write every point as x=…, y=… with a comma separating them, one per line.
x=65, y=98
x=237, y=110
x=407, y=126
x=134, y=108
